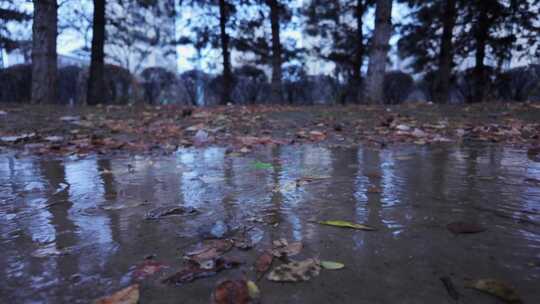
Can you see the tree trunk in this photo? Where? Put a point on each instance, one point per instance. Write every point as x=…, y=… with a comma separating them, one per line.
x=357, y=73
x=96, y=82
x=446, y=54
x=44, y=57
x=481, y=36
x=276, y=94
x=227, y=74
x=379, y=51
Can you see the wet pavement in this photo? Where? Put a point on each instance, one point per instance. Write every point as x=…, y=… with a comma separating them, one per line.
x=73, y=230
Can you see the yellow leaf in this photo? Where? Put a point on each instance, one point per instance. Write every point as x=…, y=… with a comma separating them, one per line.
x=253, y=290
x=496, y=288
x=345, y=224
x=128, y=295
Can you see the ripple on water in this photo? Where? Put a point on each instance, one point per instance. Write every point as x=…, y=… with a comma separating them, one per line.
x=84, y=218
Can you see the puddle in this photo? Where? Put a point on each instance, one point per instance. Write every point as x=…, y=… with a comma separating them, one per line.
x=73, y=230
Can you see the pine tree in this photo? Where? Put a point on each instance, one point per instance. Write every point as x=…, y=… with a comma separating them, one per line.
x=445, y=32
x=10, y=13
x=267, y=48
x=210, y=25
x=338, y=28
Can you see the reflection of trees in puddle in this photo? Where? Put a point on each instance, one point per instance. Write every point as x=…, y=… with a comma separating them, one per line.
x=299, y=203
x=93, y=231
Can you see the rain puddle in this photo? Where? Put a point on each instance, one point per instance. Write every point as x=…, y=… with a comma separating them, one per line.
x=75, y=230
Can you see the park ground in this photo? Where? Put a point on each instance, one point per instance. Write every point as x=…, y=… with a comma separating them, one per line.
x=161, y=129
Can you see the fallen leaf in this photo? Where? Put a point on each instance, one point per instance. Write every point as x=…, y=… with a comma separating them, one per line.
x=464, y=227
x=330, y=265
x=209, y=250
x=345, y=224
x=147, y=268
x=232, y=292
x=403, y=128
x=194, y=271
x=263, y=263
x=253, y=290
x=262, y=166
x=164, y=211
x=295, y=271
x=316, y=136
x=283, y=248
x=128, y=295
x=496, y=288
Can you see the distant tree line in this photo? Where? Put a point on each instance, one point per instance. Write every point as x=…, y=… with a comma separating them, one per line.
x=435, y=38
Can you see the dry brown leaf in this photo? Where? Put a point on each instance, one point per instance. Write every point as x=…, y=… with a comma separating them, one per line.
x=295, y=271
x=235, y=292
x=263, y=263
x=128, y=295
x=283, y=248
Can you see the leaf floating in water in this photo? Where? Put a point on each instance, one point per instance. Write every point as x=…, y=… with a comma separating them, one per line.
x=194, y=271
x=235, y=292
x=128, y=295
x=464, y=227
x=262, y=166
x=283, y=248
x=295, y=271
x=496, y=288
x=345, y=224
x=164, y=211
x=263, y=263
x=253, y=289
x=330, y=265
x=209, y=250
x=147, y=268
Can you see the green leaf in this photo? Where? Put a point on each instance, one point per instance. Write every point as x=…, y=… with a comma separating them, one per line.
x=262, y=166
x=330, y=265
x=345, y=224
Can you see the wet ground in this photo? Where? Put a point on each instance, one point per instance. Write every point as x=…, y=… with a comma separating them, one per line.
x=73, y=230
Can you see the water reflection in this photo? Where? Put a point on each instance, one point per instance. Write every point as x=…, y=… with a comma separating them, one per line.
x=84, y=219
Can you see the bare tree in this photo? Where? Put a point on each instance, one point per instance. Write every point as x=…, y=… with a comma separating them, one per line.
x=44, y=56
x=379, y=51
